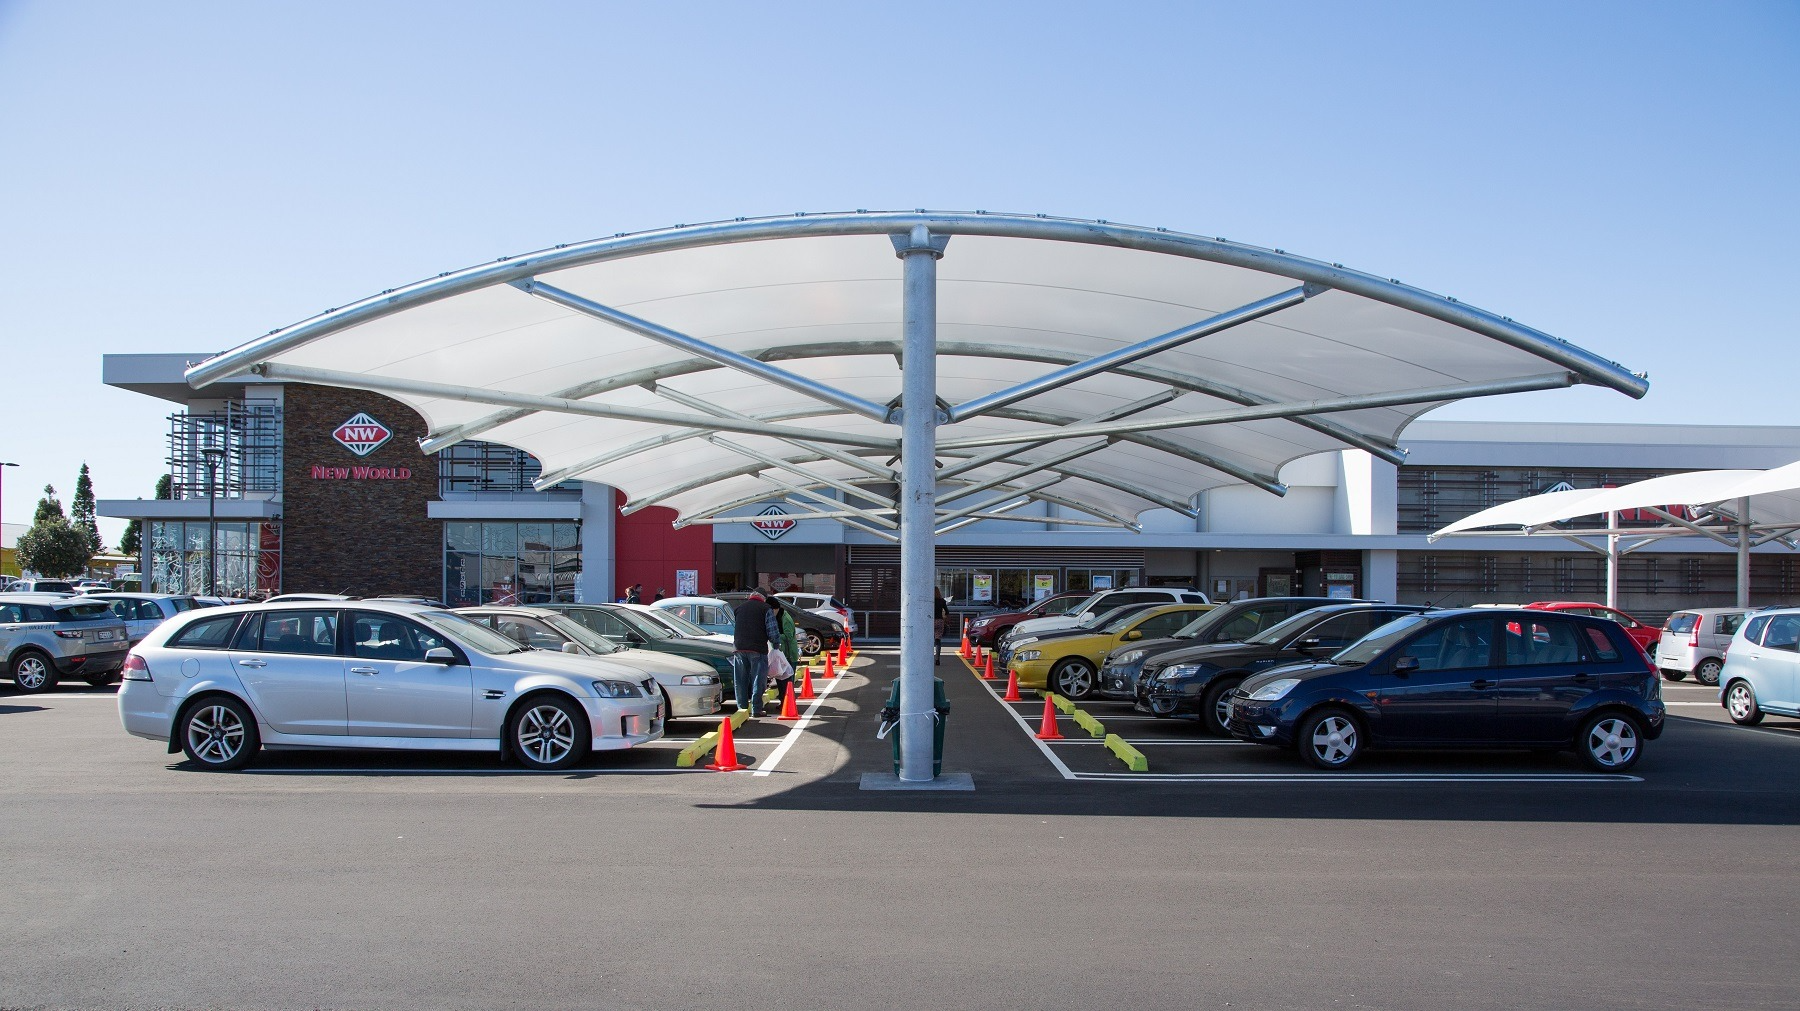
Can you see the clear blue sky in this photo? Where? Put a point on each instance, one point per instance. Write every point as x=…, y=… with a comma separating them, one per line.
x=183, y=177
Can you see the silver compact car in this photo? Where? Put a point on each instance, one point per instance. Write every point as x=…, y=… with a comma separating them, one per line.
x=45, y=637
x=689, y=687
x=142, y=612
x=221, y=683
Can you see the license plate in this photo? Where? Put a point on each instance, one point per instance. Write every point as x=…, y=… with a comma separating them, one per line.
x=106, y=635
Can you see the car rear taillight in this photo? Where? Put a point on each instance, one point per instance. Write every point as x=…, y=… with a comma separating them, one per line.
x=135, y=668
x=1694, y=637
x=64, y=633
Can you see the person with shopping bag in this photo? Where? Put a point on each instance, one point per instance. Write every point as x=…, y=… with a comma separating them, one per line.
x=755, y=631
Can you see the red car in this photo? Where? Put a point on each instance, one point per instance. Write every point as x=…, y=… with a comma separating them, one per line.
x=987, y=629
x=1645, y=636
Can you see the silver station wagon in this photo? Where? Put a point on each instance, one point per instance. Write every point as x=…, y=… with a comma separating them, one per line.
x=223, y=682
x=46, y=637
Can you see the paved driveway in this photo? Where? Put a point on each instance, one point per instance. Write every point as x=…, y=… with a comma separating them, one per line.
x=380, y=881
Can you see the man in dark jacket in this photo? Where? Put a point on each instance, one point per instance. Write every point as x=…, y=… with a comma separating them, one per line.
x=755, y=628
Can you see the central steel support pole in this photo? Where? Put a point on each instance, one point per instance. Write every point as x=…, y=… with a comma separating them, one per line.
x=1743, y=552
x=1612, y=560
x=918, y=499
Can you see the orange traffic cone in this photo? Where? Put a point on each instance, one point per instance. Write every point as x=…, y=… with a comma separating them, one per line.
x=980, y=656
x=1047, y=729
x=806, y=688
x=965, y=646
x=829, y=672
x=788, y=710
x=987, y=670
x=1012, y=687
x=843, y=651
x=725, y=756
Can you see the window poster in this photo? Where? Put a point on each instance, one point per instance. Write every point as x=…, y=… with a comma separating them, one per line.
x=984, y=589
x=1043, y=586
x=1102, y=583
x=687, y=582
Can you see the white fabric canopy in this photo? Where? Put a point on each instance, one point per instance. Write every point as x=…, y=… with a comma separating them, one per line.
x=1774, y=500
x=820, y=297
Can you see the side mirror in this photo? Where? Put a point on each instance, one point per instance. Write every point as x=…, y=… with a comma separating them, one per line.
x=1134, y=634
x=1308, y=645
x=440, y=654
x=570, y=647
x=634, y=639
x=1406, y=665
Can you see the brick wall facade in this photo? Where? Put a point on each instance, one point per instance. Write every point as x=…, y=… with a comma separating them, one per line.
x=356, y=533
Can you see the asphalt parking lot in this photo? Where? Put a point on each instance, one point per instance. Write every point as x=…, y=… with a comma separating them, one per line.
x=372, y=880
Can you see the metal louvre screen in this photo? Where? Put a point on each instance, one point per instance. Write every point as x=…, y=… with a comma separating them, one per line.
x=985, y=557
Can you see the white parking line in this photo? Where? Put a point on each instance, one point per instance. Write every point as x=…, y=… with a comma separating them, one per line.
x=1173, y=744
x=1715, y=705
x=768, y=765
x=1360, y=777
x=401, y=771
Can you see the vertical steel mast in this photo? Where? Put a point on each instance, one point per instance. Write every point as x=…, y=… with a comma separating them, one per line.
x=919, y=250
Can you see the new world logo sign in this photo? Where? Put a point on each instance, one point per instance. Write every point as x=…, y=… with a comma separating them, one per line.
x=773, y=522
x=362, y=434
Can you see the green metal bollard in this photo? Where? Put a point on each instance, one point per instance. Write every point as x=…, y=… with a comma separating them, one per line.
x=942, y=704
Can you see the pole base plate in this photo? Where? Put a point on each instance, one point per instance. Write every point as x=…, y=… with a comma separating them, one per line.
x=889, y=781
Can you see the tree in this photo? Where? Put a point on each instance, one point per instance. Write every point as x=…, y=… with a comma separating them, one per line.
x=54, y=548
x=81, y=510
x=48, y=508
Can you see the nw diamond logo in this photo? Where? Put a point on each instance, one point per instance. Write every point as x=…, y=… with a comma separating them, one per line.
x=774, y=523
x=362, y=434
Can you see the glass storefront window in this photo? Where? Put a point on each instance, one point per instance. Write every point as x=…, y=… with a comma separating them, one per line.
x=246, y=558
x=508, y=562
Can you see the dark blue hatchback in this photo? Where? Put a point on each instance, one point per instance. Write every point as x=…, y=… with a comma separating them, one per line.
x=1476, y=678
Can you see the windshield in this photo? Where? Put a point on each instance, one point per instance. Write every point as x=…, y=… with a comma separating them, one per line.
x=1080, y=609
x=479, y=638
x=651, y=630
x=1371, y=646
x=1274, y=634
x=681, y=625
x=84, y=612
x=1118, y=618
x=592, y=640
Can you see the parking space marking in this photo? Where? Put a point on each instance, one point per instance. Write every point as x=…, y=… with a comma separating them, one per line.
x=768, y=765
x=1213, y=743
x=1030, y=734
x=1715, y=705
x=453, y=772
x=1361, y=777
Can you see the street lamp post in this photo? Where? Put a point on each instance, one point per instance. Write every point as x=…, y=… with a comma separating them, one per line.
x=3, y=466
x=214, y=456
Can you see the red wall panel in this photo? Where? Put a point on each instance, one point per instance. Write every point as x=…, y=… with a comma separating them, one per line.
x=649, y=549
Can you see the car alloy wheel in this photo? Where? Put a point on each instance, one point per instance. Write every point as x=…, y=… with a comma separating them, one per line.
x=1708, y=672
x=1074, y=679
x=1740, y=704
x=549, y=733
x=219, y=733
x=1611, y=742
x=31, y=673
x=1330, y=740
x=1217, y=708
x=811, y=644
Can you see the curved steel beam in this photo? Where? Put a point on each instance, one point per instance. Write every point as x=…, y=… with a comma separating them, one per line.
x=1589, y=367
x=963, y=349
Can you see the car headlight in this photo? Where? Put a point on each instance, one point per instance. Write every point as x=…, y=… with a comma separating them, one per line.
x=1179, y=671
x=617, y=690
x=1275, y=689
x=1132, y=657
x=1030, y=654
x=699, y=679
x=981, y=623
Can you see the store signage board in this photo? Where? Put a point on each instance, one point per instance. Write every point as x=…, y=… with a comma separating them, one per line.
x=361, y=473
x=687, y=582
x=362, y=434
x=773, y=522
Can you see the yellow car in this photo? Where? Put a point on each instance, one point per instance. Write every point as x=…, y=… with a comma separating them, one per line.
x=1068, y=660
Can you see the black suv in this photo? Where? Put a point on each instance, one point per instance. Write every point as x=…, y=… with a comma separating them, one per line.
x=1196, y=679
x=1233, y=622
